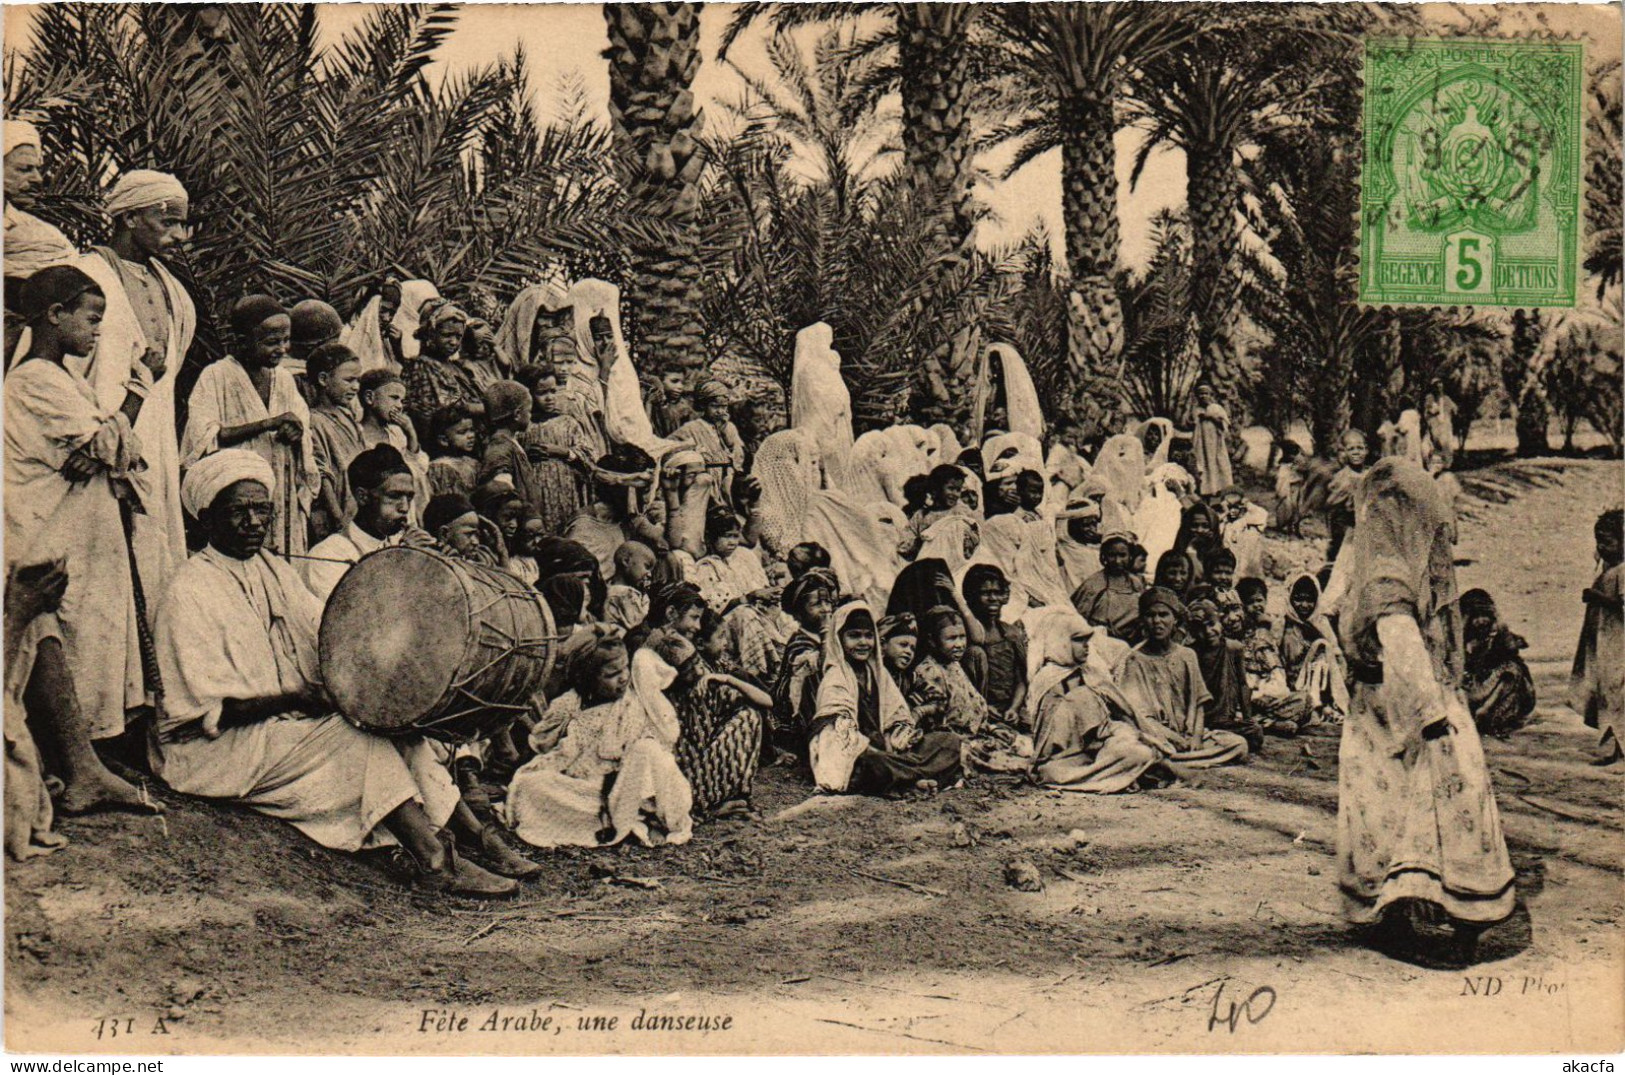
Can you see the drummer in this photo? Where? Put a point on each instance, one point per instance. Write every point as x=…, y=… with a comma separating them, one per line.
x=382, y=485
x=246, y=721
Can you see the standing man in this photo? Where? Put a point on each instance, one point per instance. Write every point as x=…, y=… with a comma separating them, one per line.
x=146, y=333
x=31, y=244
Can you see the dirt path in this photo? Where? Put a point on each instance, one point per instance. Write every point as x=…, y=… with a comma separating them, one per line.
x=1195, y=919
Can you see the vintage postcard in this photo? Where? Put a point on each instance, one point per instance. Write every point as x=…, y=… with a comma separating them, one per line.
x=783, y=529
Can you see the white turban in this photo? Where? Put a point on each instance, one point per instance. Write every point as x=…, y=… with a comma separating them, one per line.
x=142, y=190
x=213, y=474
x=20, y=134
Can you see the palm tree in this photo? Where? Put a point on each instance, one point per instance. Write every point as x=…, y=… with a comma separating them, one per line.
x=1318, y=336
x=654, y=53
x=1068, y=63
x=930, y=55
x=1603, y=180
x=1246, y=79
x=316, y=171
x=823, y=108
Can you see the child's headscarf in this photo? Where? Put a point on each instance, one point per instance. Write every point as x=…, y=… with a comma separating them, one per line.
x=836, y=747
x=838, y=690
x=1049, y=656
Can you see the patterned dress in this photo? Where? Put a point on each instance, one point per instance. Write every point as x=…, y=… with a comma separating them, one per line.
x=1416, y=814
x=721, y=742
x=559, y=491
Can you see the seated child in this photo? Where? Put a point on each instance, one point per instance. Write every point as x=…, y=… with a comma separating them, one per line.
x=628, y=602
x=1163, y=682
x=862, y=737
x=997, y=665
x=1279, y=708
x=1221, y=662
x=1312, y=658
x=452, y=465
x=1500, y=691
x=604, y=767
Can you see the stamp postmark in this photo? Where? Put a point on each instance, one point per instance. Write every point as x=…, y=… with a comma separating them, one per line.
x=1471, y=186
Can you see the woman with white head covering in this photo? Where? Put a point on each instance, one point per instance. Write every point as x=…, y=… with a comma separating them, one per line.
x=1158, y=517
x=787, y=469
x=597, y=324
x=874, y=471
x=1165, y=440
x=861, y=538
x=1417, y=824
x=1023, y=414
x=820, y=404
x=399, y=309
x=948, y=446
x=518, y=341
x=1085, y=736
x=1120, y=465
x=917, y=448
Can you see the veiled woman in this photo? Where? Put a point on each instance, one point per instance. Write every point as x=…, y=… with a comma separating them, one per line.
x=820, y=404
x=1085, y=735
x=1419, y=839
x=1120, y=466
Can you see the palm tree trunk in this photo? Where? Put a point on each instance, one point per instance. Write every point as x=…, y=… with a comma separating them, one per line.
x=1212, y=198
x=932, y=55
x=1089, y=209
x=654, y=52
x=1523, y=385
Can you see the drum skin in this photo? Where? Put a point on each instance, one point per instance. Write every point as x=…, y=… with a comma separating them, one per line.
x=417, y=643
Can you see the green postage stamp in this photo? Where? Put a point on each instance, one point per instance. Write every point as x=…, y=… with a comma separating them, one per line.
x=1470, y=194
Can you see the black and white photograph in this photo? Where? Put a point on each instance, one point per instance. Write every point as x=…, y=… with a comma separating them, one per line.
x=808, y=529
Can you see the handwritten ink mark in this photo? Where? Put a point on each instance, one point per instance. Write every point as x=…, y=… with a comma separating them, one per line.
x=1259, y=1003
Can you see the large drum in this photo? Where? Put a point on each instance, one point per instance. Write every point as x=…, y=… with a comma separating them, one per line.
x=416, y=643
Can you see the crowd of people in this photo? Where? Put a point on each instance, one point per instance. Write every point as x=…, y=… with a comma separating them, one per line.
x=886, y=614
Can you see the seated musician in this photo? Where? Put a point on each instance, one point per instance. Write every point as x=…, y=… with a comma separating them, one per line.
x=382, y=485
x=247, y=721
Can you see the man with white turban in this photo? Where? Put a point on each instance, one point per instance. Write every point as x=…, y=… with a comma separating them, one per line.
x=248, y=721
x=31, y=243
x=146, y=333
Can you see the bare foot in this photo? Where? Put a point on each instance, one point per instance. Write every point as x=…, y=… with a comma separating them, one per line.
x=105, y=792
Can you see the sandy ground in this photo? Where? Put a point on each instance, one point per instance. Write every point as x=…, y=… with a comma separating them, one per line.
x=1196, y=919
